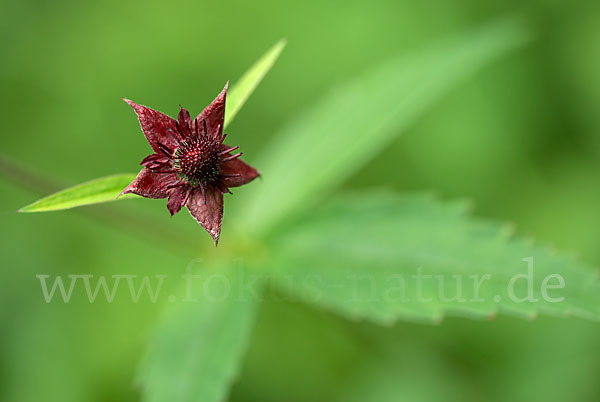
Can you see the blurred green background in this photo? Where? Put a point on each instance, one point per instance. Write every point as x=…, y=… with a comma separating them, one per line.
x=520, y=139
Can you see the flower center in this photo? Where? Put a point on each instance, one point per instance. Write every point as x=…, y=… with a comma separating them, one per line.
x=197, y=160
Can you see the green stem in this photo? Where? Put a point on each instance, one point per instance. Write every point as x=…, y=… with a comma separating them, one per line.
x=134, y=223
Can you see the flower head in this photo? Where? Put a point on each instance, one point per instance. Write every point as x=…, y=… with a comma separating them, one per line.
x=190, y=165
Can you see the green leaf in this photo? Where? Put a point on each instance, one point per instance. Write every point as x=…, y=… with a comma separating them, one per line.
x=326, y=144
x=196, y=350
x=92, y=192
x=238, y=95
x=362, y=256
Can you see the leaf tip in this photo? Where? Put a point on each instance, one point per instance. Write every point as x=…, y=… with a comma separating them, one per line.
x=25, y=209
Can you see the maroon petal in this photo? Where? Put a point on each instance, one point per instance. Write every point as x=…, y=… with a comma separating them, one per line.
x=154, y=161
x=208, y=211
x=158, y=128
x=185, y=122
x=178, y=197
x=151, y=185
x=214, y=114
x=236, y=173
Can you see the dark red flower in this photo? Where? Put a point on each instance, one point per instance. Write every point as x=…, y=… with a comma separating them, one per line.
x=190, y=164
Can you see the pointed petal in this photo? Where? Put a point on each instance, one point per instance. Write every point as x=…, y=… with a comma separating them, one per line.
x=154, y=161
x=185, y=122
x=157, y=127
x=214, y=114
x=177, y=199
x=151, y=185
x=231, y=169
x=209, y=214
x=236, y=172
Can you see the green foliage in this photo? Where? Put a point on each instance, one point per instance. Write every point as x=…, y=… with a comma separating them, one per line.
x=104, y=189
x=242, y=90
x=356, y=255
x=325, y=145
x=195, y=352
x=385, y=257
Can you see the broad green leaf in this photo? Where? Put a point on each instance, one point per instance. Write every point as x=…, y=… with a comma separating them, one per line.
x=95, y=191
x=196, y=350
x=342, y=131
x=386, y=257
x=238, y=95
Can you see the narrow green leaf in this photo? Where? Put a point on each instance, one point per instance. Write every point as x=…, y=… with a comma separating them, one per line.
x=238, y=95
x=95, y=191
x=197, y=348
x=363, y=256
x=333, y=139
